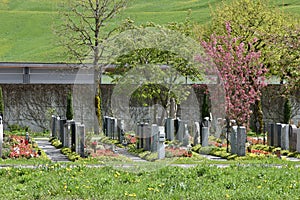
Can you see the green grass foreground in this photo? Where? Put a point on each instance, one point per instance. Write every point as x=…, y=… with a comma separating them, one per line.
x=27, y=26
x=200, y=182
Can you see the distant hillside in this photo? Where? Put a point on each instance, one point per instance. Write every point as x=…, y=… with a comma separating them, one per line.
x=26, y=26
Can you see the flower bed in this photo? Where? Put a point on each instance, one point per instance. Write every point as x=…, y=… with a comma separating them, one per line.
x=21, y=148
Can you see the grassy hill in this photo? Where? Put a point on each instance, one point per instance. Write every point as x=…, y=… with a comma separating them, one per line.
x=26, y=26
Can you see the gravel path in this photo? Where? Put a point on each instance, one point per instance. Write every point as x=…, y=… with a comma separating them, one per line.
x=54, y=154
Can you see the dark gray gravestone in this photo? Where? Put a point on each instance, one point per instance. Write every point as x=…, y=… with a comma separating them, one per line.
x=147, y=137
x=121, y=130
x=1, y=135
x=292, y=138
x=161, y=143
x=57, y=125
x=197, y=133
x=73, y=135
x=82, y=140
x=114, y=128
x=155, y=136
x=233, y=140
x=277, y=135
x=270, y=136
x=105, y=123
x=53, y=126
x=62, y=130
x=170, y=129
x=181, y=130
x=108, y=127
x=241, y=141
x=284, y=136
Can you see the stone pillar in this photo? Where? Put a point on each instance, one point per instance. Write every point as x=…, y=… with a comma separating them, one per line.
x=121, y=131
x=233, y=140
x=241, y=141
x=1, y=136
x=204, y=136
x=57, y=126
x=170, y=129
x=154, y=140
x=292, y=137
x=161, y=143
x=81, y=140
x=284, y=136
x=197, y=133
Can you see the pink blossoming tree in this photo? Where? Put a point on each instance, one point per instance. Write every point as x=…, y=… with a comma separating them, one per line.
x=240, y=72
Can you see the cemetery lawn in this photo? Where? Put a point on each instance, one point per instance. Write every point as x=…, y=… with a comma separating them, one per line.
x=200, y=182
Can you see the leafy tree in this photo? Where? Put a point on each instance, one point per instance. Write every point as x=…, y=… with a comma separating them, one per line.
x=69, y=112
x=241, y=73
x=84, y=31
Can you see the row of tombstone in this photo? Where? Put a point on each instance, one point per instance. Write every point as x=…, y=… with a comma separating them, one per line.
x=113, y=128
x=285, y=136
x=70, y=133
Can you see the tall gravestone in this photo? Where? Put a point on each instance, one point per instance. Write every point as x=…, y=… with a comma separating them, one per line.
x=270, y=136
x=292, y=137
x=121, y=131
x=57, y=125
x=181, y=130
x=114, y=128
x=170, y=129
x=298, y=140
x=82, y=140
x=62, y=130
x=204, y=136
x=197, y=133
x=53, y=126
x=161, y=143
x=155, y=136
x=1, y=136
x=233, y=140
x=241, y=141
x=277, y=135
x=73, y=135
x=186, y=137
x=284, y=136
x=108, y=127
x=105, y=122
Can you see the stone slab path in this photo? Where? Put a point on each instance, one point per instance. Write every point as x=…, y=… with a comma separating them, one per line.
x=54, y=154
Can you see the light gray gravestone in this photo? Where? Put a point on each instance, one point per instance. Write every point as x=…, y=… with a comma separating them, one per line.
x=161, y=143
x=298, y=140
x=181, y=130
x=284, y=136
x=186, y=137
x=241, y=141
x=233, y=140
x=53, y=126
x=57, y=125
x=197, y=133
x=204, y=137
x=155, y=136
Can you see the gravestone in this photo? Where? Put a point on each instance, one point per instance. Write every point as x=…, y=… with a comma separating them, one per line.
x=53, y=126
x=298, y=140
x=105, y=122
x=170, y=129
x=73, y=135
x=241, y=141
x=277, y=135
x=121, y=130
x=155, y=136
x=108, y=127
x=197, y=133
x=186, y=137
x=270, y=136
x=292, y=138
x=1, y=136
x=147, y=137
x=204, y=136
x=161, y=143
x=81, y=142
x=62, y=130
x=57, y=125
x=114, y=128
x=181, y=130
x=233, y=140
x=284, y=136
x=67, y=138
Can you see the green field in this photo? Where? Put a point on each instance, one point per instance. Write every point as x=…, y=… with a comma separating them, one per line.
x=26, y=26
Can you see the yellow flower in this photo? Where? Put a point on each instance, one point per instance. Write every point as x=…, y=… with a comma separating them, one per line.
x=258, y=187
x=227, y=195
x=132, y=195
x=150, y=189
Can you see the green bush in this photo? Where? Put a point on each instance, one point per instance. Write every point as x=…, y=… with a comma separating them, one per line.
x=196, y=148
